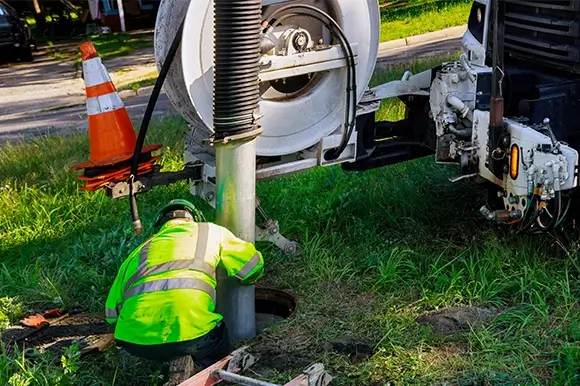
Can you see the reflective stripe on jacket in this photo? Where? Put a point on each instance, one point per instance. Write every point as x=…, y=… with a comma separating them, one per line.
x=165, y=290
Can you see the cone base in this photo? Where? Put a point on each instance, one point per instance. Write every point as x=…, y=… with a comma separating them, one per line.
x=114, y=160
x=125, y=169
x=122, y=174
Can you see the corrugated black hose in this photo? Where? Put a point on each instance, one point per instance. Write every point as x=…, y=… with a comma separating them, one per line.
x=145, y=125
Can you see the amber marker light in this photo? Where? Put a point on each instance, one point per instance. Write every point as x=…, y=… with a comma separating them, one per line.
x=514, y=161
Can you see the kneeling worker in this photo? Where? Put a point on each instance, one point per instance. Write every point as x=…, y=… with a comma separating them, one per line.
x=162, y=300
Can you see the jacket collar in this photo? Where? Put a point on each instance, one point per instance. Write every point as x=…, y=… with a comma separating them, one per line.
x=175, y=223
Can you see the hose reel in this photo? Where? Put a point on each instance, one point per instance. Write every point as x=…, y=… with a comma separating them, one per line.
x=303, y=78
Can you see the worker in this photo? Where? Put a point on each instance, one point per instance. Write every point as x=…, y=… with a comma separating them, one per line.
x=162, y=301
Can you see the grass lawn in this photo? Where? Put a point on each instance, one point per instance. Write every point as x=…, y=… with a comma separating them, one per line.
x=107, y=45
x=380, y=249
x=403, y=18
x=143, y=81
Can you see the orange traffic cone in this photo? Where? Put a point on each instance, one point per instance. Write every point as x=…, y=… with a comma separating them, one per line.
x=112, y=137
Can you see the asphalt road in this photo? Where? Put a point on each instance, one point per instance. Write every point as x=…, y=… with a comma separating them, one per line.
x=16, y=124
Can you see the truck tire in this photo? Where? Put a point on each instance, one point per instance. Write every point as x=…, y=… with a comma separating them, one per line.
x=26, y=54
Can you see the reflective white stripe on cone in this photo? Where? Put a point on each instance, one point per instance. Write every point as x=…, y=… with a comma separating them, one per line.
x=95, y=72
x=104, y=104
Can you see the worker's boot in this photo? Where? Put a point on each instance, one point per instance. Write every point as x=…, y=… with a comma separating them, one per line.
x=180, y=369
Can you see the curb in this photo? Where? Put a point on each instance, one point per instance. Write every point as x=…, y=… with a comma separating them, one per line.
x=448, y=33
x=124, y=94
x=147, y=90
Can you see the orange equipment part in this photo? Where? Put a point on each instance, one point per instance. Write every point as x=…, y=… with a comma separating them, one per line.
x=122, y=174
x=88, y=51
x=34, y=321
x=39, y=320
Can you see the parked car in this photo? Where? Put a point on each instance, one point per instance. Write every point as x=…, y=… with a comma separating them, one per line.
x=16, y=39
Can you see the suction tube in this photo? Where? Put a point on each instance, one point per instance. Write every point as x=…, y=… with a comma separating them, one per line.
x=236, y=94
x=145, y=125
x=236, y=73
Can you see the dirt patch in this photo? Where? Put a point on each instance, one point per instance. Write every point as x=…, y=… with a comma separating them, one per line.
x=265, y=321
x=88, y=331
x=272, y=362
x=356, y=352
x=457, y=319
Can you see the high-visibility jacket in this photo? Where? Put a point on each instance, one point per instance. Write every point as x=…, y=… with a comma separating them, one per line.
x=165, y=291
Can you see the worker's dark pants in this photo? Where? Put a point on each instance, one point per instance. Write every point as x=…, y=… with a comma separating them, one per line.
x=205, y=350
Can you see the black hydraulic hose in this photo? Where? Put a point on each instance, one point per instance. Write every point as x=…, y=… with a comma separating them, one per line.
x=350, y=80
x=145, y=124
x=534, y=215
x=351, y=74
x=350, y=66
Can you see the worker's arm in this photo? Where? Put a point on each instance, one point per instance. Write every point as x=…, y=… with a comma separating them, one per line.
x=240, y=258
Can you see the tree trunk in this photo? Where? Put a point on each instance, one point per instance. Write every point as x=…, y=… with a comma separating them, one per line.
x=39, y=17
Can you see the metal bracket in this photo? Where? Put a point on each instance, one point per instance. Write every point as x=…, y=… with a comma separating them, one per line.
x=142, y=184
x=270, y=232
x=229, y=369
x=241, y=360
x=317, y=375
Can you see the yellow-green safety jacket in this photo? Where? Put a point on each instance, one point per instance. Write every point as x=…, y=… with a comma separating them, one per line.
x=165, y=291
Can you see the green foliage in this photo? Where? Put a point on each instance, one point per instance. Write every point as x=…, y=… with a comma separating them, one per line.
x=404, y=18
x=70, y=359
x=10, y=311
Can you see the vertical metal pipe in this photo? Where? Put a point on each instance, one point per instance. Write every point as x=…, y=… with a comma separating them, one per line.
x=236, y=203
x=237, y=30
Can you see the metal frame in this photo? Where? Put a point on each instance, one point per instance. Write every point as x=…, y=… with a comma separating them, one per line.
x=205, y=186
x=229, y=368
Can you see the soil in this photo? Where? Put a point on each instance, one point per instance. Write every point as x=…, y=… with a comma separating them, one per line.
x=357, y=352
x=265, y=321
x=272, y=361
x=89, y=331
x=451, y=320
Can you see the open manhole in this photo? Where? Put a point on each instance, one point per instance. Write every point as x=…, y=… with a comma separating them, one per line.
x=273, y=306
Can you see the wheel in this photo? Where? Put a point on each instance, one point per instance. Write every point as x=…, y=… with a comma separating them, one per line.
x=25, y=54
x=8, y=55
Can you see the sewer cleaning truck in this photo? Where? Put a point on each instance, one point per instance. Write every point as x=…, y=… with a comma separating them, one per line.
x=293, y=76
x=505, y=112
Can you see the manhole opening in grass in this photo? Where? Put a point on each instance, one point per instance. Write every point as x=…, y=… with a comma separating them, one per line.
x=273, y=306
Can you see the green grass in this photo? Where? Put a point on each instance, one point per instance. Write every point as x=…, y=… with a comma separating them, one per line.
x=146, y=80
x=404, y=18
x=380, y=248
x=107, y=45
x=116, y=44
